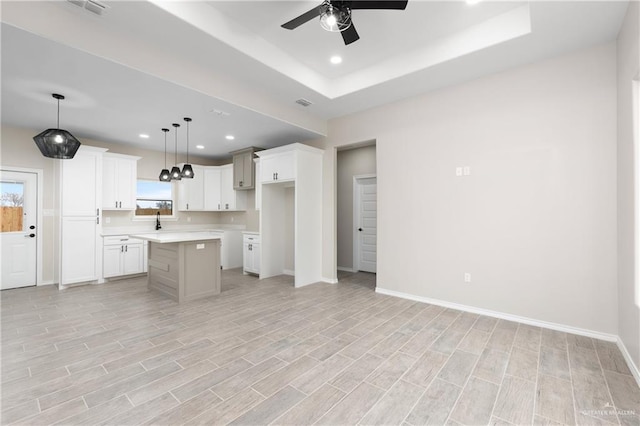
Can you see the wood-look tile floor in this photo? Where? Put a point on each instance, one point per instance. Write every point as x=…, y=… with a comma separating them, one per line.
x=263, y=352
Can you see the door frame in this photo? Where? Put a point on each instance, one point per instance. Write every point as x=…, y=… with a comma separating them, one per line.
x=39, y=214
x=357, y=181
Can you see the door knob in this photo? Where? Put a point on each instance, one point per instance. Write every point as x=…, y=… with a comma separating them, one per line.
x=30, y=235
x=360, y=229
x=32, y=227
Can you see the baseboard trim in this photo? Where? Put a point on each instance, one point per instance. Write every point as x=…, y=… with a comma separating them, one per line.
x=288, y=272
x=329, y=280
x=49, y=282
x=627, y=357
x=342, y=268
x=502, y=315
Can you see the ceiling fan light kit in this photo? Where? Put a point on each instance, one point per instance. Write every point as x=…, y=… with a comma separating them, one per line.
x=57, y=143
x=335, y=15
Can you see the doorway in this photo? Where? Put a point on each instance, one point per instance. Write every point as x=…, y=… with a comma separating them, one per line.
x=19, y=240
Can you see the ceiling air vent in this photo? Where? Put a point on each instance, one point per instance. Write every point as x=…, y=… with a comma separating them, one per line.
x=91, y=5
x=304, y=102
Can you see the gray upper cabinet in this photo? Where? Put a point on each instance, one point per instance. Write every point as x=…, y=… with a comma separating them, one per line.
x=243, y=169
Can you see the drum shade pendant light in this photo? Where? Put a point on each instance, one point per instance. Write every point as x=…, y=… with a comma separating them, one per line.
x=187, y=170
x=57, y=143
x=175, y=170
x=165, y=175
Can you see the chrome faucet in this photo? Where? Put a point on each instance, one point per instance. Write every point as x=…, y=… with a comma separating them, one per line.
x=158, y=226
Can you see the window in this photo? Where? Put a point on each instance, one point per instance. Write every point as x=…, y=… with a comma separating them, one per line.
x=153, y=197
x=11, y=204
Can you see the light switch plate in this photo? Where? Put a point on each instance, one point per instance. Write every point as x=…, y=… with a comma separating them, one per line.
x=200, y=246
x=467, y=171
x=458, y=171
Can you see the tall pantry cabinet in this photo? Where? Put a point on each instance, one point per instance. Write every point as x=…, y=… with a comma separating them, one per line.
x=298, y=168
x=79, y=216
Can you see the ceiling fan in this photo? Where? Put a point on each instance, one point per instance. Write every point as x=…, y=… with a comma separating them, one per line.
x=335, y=15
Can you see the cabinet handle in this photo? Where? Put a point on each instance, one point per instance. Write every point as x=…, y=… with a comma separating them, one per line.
x=120, y=204
x=126, y=249
x=226, y=206
x=218, y=206
x=121, y=249
x=240, y=184
x=274, y=176
x=116, y=204
x=187, y=206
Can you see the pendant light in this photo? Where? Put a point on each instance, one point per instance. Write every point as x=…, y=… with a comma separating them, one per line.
x=187, y=170
x=175, y=170
x=165, y=175
x=57, y=143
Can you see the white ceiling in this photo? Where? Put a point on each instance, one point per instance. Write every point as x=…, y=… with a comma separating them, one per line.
x=144, y=65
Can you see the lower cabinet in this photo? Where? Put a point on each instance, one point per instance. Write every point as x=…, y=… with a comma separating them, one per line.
x=251, y=254
x=123, y=256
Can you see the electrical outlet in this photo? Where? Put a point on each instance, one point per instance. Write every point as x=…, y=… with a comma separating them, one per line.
x=232, y=218
x=466, y=171
x=188, y=218
x=458, y=171
x=467, y=277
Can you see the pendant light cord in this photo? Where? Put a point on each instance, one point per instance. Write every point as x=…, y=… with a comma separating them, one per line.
x=165, y=148
x=187, y=141
x=58, y=124
x=176, y=158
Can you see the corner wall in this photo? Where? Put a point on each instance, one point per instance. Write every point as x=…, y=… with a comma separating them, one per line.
x=628, y=49
x=534, y=224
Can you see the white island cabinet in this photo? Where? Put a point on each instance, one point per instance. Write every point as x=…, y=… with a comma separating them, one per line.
x=251, y=253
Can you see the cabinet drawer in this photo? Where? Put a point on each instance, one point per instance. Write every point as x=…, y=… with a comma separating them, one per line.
x=120, y=239
x=251, y=239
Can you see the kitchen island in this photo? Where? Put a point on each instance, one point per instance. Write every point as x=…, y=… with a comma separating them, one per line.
x=184, y=265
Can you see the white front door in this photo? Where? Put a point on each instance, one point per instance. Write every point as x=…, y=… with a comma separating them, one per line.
x=366, y=204
x=19, y=234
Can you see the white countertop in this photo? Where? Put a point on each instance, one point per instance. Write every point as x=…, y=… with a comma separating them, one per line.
x=131, y=230
x=250, y=233
x=178, y=237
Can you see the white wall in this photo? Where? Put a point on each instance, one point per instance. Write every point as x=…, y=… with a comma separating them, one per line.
x=628, y=69
x=535, y=223
x=351, y=162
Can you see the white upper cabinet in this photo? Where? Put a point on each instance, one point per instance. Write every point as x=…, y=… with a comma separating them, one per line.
x=277, y=167
x=212, y=188
x=119, y=177
x=191, y=191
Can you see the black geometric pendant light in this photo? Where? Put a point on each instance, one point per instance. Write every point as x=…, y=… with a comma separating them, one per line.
x=187, y=170
x=176, y=174
x=57, y=143
x=165, y=175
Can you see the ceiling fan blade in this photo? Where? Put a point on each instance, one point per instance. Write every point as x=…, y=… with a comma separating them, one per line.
x=305, y=17
x=350, y=35
x=379, y=4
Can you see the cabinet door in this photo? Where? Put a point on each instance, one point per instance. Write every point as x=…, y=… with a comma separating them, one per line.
x=247, y=258
x=258, y=184
x=255, y=253
x=109, y=183
x=191, y=191
x=278, y=167
x=111, y=258
x=227, y=194
x=127, y=179
x=238, y=171
x=79, y=250
x=132, y=259
x=212, y=187
x=80, y=192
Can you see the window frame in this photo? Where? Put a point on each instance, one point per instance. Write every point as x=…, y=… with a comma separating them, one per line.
x=174, y=203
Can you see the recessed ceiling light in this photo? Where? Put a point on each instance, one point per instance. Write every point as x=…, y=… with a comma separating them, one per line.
x=230, y=137
x=200, y=146
x=144, y=136
x=336, y=60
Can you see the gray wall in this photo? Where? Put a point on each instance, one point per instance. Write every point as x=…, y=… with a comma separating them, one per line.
x=535, y=223
x=628, y=287
x=351, y=162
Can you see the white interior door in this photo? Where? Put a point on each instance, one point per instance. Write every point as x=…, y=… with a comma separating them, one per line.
x=366, y=224
x=18, y=239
